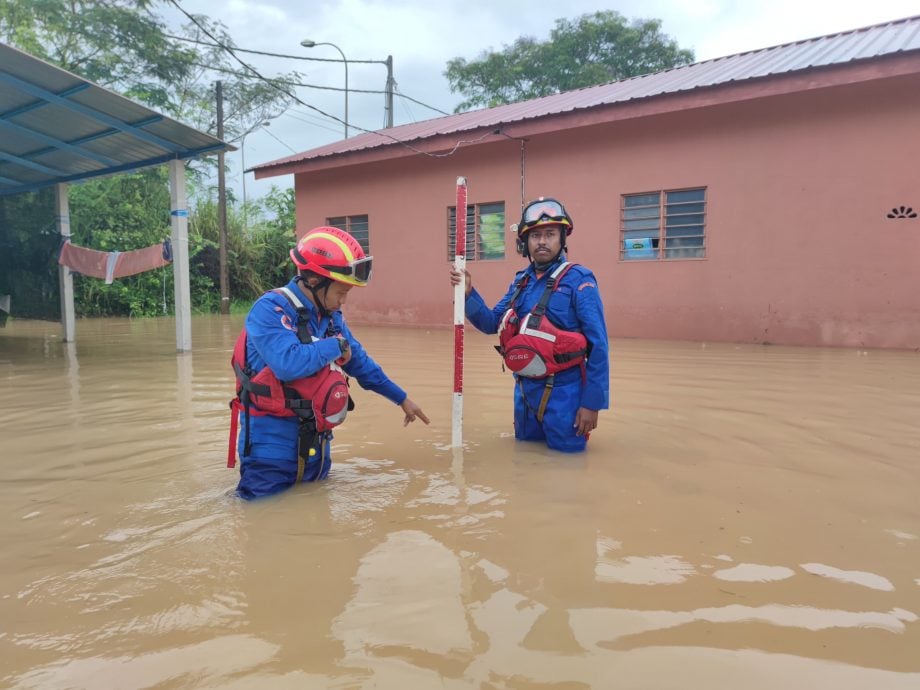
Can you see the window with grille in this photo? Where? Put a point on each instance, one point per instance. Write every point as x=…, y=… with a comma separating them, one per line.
x=663, y=225
x=356, y=226
x=485, y=232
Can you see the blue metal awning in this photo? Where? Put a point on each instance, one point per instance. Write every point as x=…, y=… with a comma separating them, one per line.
x=58, y=127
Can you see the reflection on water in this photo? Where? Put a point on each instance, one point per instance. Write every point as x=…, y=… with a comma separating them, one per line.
x=746, y=517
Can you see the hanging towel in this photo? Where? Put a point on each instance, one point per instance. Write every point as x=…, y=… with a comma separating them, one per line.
x=111, y=265
x=86, y=262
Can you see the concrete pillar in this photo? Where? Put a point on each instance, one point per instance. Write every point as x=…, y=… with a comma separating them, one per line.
x=65, y=279
x=178, y=213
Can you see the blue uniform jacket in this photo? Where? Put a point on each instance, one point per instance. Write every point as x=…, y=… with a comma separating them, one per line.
x=574, y=306
x=271, y=329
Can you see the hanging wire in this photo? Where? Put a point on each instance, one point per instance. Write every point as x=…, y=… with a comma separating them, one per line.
x=273, y=84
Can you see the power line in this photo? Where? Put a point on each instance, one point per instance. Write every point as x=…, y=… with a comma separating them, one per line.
x=294, y=97
x=263, y=52
x=272, y=135
x=309, y=119
x=282, y=80
x=232, y=52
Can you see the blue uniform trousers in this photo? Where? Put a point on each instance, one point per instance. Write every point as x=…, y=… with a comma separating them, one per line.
x=558, y=426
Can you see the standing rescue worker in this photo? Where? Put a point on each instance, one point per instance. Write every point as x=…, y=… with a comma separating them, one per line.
x=552, y=333
x=292, y=361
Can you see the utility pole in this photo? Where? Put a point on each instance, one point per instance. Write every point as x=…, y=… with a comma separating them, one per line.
x=390, y=87
x=222, y=208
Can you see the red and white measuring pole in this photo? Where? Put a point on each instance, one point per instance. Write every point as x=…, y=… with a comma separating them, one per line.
x=459, y=315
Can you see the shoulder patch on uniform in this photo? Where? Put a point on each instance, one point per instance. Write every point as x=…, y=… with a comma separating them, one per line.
x=587, y=284
x=286, y=321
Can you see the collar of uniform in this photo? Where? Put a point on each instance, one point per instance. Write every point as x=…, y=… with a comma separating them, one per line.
x=295, y=287
x=316, y=320
x=549, y=269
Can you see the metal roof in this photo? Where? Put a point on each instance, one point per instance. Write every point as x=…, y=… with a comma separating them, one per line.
x=58, y=127
x=890, y=38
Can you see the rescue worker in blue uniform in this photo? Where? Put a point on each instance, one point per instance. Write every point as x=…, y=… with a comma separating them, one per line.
x=291, y=363
x=553, y=336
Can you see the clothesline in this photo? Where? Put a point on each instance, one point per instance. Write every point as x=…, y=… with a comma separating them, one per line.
x=111, y=265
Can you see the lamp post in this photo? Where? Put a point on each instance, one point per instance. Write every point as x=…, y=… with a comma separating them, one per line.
x=307, y=43
x=249, y=131
x=390, y=87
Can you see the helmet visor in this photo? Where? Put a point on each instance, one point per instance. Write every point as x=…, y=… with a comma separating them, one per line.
x=359, y=270
x=549, y=209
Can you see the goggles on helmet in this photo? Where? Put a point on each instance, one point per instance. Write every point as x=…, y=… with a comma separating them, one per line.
x=359, y=269
x=549, y=210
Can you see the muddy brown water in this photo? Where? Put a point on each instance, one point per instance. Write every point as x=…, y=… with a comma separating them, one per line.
x=745, y=517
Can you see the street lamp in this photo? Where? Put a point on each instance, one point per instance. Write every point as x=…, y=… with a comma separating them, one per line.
x=307, y=43
x=243, y=163
x=390, y=87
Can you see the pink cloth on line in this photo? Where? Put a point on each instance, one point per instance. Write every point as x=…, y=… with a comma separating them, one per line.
x=139, y=260
x=91, y=262
x=87, y=262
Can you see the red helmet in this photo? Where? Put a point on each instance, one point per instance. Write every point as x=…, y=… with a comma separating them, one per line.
x=544, y=211
x=334, y=254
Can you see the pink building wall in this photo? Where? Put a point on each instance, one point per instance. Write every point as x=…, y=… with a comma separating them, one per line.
x=799, y=248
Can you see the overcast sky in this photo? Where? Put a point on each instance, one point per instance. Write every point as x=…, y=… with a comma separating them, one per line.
x=422, y=35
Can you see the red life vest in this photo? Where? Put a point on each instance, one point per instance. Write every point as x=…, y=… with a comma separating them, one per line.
x=532, y=346
x=321, y=399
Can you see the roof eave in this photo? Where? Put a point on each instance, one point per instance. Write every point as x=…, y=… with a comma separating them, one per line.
x=808, y=79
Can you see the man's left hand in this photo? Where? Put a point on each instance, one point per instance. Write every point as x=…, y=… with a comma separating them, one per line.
x=585, y=421
x=412, y=411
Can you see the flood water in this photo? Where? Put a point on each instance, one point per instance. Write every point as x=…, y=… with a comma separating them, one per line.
x=744, y=517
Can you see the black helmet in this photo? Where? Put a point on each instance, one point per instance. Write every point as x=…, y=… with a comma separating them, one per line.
x=541, y=212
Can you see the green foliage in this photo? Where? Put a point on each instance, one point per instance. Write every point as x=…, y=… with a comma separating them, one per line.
x=128, y=212
x=257, y=247
x=29, y=241
x=121, y=213
x=124, y=45
x=593, y=49
x=248, y=101
x=116, y=43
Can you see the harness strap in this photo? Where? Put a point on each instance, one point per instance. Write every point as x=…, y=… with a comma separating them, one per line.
x=569, y=356
x=309, y=445
x=246, y=383
x=236, y=407
x=545, y=399
x=521, y=284
x=551, y=282
x=303, y=326
x=234, y=429
x=301, y=465
x=247, y=443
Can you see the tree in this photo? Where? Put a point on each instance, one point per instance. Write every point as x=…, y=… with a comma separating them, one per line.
x=29, y=241
x=123, y=45
x=248, y=99
x=119, y=213
x=258, y=252
x=593, y=49
x=115, y=43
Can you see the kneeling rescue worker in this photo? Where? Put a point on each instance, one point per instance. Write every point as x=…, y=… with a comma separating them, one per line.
x=552, y=333
x=292, y=362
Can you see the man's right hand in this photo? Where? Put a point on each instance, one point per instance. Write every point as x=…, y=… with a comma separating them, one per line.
x=455, y=277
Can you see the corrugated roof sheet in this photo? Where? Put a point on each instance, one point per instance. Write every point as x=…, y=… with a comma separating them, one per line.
x=900, y=36
x=58, y=127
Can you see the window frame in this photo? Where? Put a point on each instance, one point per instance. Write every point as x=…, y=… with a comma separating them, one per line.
x=348, y=223
x=476, y=245
x=648, y=225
